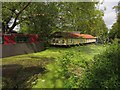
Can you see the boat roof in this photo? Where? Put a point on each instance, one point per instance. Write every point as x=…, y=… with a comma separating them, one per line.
x=71, y=35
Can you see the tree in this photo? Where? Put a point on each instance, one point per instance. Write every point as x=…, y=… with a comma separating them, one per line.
x=115, y=31
x=45, y=18
x=42, y=19
x=83, y=17
x=118, y=19
x=14, y=10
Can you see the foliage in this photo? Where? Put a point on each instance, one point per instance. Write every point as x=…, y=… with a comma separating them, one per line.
x=63, y=67
x=104, y=72
x=73, y=66
x=45, y=18
x=81, y=16
x=115, y=31
x=13, y=10
x=42, y=19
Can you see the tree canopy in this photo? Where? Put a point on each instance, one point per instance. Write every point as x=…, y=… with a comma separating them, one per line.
x=115, y=31
x=14, y=10
x=46, y=17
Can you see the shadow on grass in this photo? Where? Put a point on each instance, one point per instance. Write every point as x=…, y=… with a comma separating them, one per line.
x=85, y=48
x=19, y=76
x=16, y=76
x=63, y=46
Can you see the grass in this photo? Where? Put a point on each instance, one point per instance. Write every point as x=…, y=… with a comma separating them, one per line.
x=46, y=66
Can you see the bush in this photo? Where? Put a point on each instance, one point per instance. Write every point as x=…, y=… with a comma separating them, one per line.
x=72, y=65
x=104, y=71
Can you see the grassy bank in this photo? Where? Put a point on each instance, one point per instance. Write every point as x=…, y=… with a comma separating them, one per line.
x=44, y=69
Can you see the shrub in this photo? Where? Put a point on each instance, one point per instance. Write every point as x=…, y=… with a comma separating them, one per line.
x=104, y=71
x=72, y=65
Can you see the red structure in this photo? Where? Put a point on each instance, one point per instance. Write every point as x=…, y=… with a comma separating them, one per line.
x=19, y=38
x=77, y=35
x=16, y=44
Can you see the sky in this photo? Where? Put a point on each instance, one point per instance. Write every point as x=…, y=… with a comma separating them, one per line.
x=109, y=14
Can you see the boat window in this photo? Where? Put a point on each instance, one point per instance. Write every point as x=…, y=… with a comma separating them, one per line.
x=56, y=41
x=63, y=41
x=21, y=39
x=53, y=40
x=1, y=40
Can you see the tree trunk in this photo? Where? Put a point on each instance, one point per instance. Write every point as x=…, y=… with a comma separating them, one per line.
x=17, y=15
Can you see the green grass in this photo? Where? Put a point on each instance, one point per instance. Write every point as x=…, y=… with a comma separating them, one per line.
x=52, y=79
x=49, y=60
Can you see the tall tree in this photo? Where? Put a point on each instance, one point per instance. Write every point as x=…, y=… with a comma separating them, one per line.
x=83, y=17
x=118, y=19
x=45, y=17
x=42, y=18
x=115, y=31
x=12, y=10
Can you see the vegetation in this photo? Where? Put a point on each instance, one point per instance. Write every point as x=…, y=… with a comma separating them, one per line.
x=12, y=11
x=89, y=66
x=45, y=18
x=115, y=31
x=100, y=70
x=54, y=67
x=104, y=71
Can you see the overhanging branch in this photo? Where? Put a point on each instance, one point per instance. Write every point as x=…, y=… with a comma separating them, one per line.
x=17, y=15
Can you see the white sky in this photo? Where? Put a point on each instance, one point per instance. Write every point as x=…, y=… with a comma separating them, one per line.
x=109, y=14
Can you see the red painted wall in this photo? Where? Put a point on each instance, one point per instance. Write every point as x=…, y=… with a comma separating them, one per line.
x=10, y=38
x=33, y=38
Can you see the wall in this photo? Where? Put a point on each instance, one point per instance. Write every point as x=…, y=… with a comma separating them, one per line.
x=21, y=48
